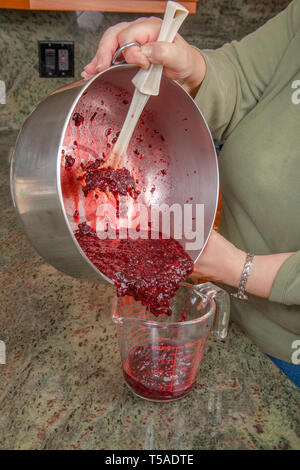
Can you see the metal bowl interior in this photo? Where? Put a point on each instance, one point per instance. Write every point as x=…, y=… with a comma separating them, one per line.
x=171, y=152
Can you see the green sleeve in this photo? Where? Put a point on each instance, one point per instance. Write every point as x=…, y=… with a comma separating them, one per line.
x=286, y=285
x=238, y=73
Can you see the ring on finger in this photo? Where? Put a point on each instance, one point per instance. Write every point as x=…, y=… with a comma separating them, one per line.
x=120, y=51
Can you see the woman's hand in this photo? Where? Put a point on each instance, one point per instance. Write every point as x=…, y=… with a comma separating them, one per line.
x=220, y=261
x=181, y=61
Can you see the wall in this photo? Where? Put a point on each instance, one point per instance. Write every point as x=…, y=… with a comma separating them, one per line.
x=216, y=22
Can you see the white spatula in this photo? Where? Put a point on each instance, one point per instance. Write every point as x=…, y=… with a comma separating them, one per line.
x=147, y=83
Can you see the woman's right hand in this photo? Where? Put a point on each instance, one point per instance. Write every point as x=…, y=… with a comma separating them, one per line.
x=181, y=61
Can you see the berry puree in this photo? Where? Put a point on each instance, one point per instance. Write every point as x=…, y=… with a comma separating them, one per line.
x=149, y=270
x=118, y=182
x=160, y=371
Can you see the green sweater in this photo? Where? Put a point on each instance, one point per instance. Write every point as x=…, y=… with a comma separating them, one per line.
x=249, y=99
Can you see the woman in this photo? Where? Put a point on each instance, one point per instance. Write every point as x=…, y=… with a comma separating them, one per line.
x=248, y=94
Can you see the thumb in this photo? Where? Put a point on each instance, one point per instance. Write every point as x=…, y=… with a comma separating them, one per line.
x=163, y=53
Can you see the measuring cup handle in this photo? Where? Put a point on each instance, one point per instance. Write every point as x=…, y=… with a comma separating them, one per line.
x=222, y=300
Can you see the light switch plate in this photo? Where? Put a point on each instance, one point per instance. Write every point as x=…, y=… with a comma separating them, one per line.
x=56, y=59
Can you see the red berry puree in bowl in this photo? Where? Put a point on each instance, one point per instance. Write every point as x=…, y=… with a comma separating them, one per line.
x=118, y=182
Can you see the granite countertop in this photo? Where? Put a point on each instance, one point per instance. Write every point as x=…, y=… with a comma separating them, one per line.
x=62, y=385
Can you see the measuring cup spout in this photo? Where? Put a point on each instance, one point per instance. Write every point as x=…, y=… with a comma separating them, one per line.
x=115, y=310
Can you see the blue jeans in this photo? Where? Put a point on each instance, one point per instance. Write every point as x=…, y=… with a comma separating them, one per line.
x=292, y=371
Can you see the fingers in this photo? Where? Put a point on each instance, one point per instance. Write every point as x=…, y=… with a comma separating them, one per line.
x=134, y=55
x=175, y=57
x=163, y=53
x=142, y=30
x=108, y=45
x=106, y=49
x=90, y=69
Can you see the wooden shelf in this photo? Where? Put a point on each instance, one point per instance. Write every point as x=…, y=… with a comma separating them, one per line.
x=126, y=6
x=15, y=4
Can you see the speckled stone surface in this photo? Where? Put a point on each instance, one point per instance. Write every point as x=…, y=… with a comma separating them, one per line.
x=62, y=385
x=216, y=22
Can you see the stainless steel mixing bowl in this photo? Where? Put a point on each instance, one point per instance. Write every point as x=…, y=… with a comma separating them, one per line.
x=35, y=169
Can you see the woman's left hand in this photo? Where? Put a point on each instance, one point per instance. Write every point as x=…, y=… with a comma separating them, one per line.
x=220, y=261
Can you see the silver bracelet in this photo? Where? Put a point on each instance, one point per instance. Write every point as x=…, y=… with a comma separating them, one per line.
x=240, y=294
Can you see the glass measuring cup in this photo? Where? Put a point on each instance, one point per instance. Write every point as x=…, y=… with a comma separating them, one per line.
x=161, y=356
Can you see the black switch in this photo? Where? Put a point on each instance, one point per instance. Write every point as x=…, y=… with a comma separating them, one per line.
x=56, y=59
x=50, y=61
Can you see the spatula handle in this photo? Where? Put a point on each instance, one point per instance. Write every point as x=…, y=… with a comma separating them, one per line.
x=148, y=81
x=137, y=105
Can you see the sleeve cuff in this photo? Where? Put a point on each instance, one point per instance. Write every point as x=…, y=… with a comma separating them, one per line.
x=216, y=97
x=205, y=94
x=286, y=285
x=201, y=92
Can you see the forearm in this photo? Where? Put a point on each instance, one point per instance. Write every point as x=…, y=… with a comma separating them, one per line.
x=223, y=262
x=263, y=272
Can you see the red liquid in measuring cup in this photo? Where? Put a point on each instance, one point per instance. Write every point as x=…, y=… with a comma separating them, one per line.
x=160, y=372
